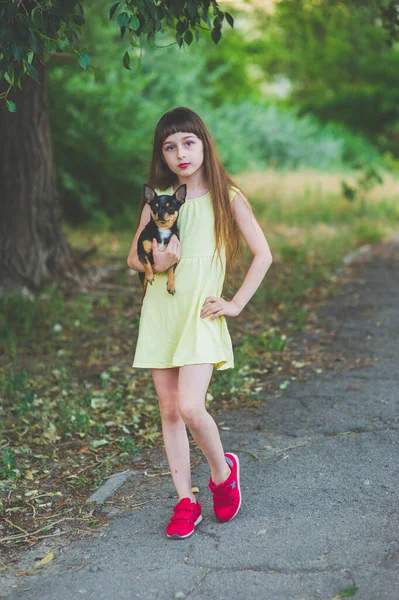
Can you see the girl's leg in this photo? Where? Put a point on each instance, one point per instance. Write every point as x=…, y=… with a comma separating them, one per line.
x=174, y=430
x=192, y=386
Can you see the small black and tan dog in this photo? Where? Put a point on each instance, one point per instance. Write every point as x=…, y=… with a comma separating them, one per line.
x=163, y=224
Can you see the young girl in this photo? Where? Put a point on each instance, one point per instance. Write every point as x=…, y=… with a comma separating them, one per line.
x=183, y=336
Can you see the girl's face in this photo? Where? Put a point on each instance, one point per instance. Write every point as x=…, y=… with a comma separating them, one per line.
x=183, y=153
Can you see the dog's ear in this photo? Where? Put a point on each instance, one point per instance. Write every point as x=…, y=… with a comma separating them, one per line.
x=181, y=193
x=149, y=193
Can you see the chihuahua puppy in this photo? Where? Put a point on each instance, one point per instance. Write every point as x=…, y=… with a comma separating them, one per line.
x=163, y=224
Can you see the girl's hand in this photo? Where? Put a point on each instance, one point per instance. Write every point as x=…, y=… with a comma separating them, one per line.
x=163, y=259
x=214, y=307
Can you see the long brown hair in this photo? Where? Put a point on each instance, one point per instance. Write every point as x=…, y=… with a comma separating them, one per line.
x=227, y=232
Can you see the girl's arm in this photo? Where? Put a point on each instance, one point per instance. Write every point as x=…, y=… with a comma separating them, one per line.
x=162, y=260
x=262, y=259
x=257, y=243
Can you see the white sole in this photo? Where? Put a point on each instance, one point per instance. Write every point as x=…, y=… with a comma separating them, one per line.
x=238, y=484
x=183, y=537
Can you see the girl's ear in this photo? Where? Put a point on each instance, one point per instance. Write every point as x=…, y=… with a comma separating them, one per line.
x=180, y=193
x=149, y=193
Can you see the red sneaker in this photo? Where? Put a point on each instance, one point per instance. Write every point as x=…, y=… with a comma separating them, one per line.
x=186, y=517
x=227, y=495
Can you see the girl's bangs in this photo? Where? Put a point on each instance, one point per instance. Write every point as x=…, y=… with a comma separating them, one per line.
x=177, y=121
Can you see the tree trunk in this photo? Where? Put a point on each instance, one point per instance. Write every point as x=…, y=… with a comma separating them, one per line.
x=33, y=249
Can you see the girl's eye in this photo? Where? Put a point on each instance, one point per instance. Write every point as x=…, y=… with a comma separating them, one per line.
x=169, y=147
x=190, y=142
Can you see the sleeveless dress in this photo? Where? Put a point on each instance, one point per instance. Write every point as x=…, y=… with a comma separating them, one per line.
x=171, y=331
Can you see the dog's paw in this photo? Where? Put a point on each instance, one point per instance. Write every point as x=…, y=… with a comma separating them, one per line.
x=171, y=289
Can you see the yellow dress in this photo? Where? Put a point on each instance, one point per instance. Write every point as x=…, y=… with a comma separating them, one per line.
x=171, y=331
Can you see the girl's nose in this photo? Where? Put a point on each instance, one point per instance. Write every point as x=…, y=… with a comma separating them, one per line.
x=180, y=153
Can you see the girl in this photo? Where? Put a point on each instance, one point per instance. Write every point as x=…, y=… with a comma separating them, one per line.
x=182, y=337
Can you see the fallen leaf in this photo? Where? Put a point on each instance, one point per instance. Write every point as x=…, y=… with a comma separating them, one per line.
x=283, y=385
x=46, y=559
x=195, y=490
x=98, y=443
x=346, y=593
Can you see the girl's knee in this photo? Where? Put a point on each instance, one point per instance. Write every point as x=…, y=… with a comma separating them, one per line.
x=166, y=388
x=191, y=415
x=168, y=407
x=170, y=414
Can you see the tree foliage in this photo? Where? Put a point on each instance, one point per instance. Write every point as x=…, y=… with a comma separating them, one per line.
x=33, y=30
x=341, y=60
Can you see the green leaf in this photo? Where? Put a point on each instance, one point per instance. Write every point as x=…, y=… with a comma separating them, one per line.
x=181, y=27
x=17, y=51
x=192, y=8
x=32, y=71
x=126, y=61
x=19, y=84
x=11, y=106
x=346, y=593
x=84, y=60
x=188, y=37
x=34, y=42
x=216, y=34
x=229, y=19
x=134, y=23
x=151, y=39
x=122, y=19
x=113, y=9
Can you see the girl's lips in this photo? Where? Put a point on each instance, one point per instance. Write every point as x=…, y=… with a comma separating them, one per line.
x=184, y=165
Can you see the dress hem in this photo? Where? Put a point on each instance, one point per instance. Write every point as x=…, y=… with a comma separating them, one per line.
x=224, y=365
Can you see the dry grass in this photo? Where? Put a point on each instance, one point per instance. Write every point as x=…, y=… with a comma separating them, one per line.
x=305, y=212
x=271, y=185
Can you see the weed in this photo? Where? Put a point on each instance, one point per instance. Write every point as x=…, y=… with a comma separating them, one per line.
x=367, y=233
x=8, y=465
x=128, y=445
